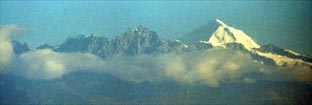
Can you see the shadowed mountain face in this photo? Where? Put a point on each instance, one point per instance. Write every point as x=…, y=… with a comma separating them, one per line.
x=46, y=46
x=284, y=52
x=20, y=48
x=86, y=44
x=203, y=32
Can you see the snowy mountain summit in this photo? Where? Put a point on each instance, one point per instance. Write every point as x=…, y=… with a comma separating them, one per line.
x=216, y=33
x=226, y=34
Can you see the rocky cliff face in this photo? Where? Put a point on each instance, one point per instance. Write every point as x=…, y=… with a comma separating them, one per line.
x=140, y=40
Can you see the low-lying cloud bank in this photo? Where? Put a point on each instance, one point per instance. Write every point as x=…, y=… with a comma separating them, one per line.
x=208, y=67
x=7, y=33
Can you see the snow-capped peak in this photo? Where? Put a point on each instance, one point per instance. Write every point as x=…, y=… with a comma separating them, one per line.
x=220, y=22
x=226, y=34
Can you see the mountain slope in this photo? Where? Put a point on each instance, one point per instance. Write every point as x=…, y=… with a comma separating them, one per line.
x=226, y=34
x=283, y=52
x=140, y=40
x=200, y=33
x=220, y=34
x=87, y=44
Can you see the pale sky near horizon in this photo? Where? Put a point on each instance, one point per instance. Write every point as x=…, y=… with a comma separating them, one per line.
x=287, y=24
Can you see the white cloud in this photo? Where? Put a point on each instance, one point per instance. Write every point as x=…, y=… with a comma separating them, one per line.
x=47, y=64
x=7, y=33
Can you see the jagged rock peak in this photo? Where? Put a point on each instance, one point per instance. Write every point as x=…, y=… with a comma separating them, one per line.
x=139, y=30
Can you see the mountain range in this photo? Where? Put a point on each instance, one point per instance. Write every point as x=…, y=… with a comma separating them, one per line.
x=142, y=40
x=214, y=64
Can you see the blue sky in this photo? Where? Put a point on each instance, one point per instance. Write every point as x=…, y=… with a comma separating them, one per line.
x=287, y=24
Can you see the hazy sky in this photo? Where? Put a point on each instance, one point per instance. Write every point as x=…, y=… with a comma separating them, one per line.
x=287, y=24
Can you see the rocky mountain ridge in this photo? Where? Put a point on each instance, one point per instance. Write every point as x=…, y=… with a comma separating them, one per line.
x=142, y=40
